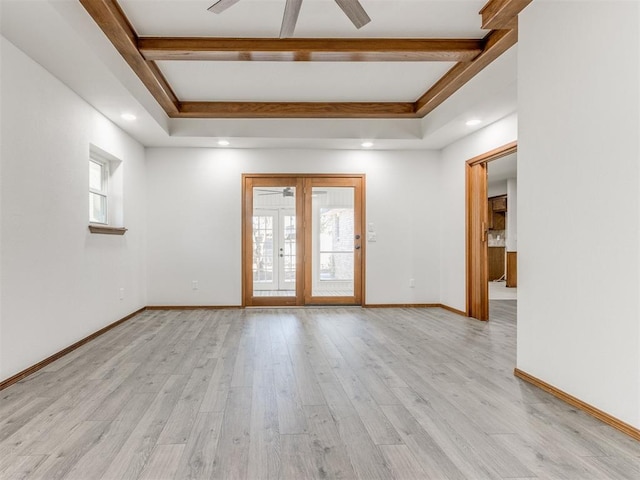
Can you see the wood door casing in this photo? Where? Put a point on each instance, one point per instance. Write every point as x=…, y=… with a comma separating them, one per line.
x=477, y=221
x=249, y=183
x=303, y=233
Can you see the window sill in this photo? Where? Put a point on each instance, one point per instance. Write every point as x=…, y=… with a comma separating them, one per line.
x=106, y=230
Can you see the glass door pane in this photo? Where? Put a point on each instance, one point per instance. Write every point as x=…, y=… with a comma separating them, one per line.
x=263, y=242
x=302, y=240
x=333, y=240
x=274, y=241
x=288, y=259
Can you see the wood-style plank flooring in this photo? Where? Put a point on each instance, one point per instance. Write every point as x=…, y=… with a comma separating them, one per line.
x=316, y=393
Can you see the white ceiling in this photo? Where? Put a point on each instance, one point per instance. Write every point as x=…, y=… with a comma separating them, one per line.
x=498, y=171
x=318, y=18
x=302, y=81
x=61, y=36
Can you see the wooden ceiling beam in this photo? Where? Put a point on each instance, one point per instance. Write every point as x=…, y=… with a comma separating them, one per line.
x=310, y=49
x=110, y=18
x=296, y=110
x=496, y=43
x=141, y=53
x=502, y=14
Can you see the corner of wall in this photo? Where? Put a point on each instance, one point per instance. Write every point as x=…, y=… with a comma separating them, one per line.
x=453, y=212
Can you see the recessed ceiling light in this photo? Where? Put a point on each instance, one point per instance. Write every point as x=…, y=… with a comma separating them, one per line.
x=473, y=122
x=367, y=144
x=223, y=143
x=129, y=117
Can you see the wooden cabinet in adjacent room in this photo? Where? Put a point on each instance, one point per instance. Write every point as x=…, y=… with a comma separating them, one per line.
x=499, y=204
x=497, y=213
x=498, y=221
x=512, y=269
x=496, y=262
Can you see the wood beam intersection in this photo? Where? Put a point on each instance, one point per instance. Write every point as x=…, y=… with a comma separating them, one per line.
x=470, y=57
x=502, y=14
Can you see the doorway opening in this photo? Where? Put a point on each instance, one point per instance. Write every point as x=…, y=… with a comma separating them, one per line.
x=479, y=216
x=302, y=240
x=502, y=238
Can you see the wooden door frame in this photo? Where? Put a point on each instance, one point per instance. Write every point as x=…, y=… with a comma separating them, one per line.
x=247, y=202
x=247, y=244
x=359, y=230
x=477, y=268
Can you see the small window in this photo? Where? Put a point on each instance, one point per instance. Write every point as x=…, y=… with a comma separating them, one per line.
x=98, y=191
x=105, y=192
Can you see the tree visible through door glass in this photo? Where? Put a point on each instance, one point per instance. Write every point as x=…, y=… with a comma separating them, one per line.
x=333, y=241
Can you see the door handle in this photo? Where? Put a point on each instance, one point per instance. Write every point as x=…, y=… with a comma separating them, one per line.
x=357, y=247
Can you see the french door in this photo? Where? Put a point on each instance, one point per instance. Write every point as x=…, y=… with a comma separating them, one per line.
x=333, y=240
x=302, y=240
x=274, y=237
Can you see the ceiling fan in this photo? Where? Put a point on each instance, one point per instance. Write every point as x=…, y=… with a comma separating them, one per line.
x=352, y=9
x=285, y=192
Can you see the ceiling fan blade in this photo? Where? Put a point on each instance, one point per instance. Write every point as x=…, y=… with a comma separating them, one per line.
x=268, y=192
x=290, y=18
x=354, y=10
x=221, y=5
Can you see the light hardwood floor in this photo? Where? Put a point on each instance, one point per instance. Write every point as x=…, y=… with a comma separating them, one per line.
x=313, y=393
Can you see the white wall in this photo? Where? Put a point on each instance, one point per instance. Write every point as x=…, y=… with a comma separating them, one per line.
x=496, y=189
x=578, y=177
x=59, y=282
x=194, y=215
x=453, y=219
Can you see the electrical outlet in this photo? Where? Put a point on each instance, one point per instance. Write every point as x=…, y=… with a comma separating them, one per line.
x=194, y=284
x=412, y=283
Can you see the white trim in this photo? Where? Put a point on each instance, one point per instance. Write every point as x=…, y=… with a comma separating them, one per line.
x=103, y=191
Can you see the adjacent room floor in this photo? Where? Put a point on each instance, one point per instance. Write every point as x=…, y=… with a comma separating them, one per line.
x=301, y=393
x=498, y=290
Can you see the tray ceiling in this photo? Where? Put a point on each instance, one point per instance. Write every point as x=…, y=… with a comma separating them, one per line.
x=181, y=53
